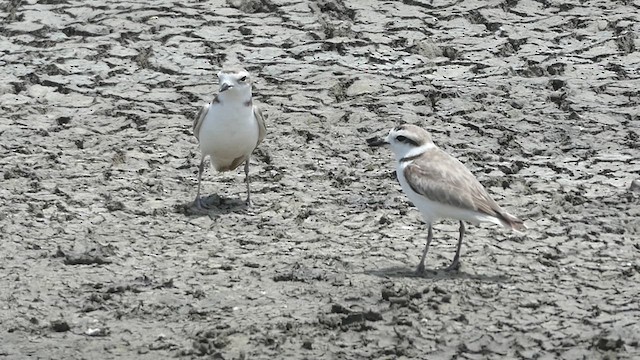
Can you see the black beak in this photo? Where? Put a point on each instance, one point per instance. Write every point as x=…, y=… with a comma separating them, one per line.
x=224, y=87
x=376, y=141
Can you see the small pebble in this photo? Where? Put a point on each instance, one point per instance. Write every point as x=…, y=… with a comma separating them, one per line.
x=60, y=326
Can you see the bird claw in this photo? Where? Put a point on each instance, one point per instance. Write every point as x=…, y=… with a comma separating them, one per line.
x=455, y=266
x=199, y=204
x=420, y=270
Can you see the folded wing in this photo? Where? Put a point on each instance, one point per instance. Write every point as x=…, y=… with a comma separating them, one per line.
x=197, y=122
x=262, y=129
x=451, y=183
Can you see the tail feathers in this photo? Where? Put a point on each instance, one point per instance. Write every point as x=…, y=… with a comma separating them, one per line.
x=512, y=222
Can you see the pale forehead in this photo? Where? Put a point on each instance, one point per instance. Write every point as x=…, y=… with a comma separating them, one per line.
x=232, y=73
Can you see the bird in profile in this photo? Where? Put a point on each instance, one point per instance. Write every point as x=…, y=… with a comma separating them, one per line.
x=229, y=128
x=440, y=186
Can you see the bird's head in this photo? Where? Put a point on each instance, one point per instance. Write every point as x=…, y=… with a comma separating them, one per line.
x=234, y=81
x=409, y=140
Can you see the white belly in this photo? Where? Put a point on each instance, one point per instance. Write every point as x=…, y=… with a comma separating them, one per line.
x=228, y=133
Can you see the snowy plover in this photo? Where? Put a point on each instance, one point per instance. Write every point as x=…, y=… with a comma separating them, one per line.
x=230, y=127
x=440, y=186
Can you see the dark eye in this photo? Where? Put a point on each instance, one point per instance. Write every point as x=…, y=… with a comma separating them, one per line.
x=406, y=140
x=244, y=78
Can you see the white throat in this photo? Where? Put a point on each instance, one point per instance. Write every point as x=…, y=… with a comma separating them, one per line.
x=414, y=151
x=235, y=95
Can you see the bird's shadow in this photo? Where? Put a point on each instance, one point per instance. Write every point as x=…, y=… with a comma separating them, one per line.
x=213, y=205
x=435, y=274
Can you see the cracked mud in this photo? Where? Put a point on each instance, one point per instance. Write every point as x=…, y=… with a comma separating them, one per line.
x=100, y=259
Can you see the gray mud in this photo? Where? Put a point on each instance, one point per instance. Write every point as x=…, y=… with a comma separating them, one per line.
x=100, y=259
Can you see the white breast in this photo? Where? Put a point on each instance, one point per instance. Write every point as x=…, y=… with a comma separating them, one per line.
x=228, y=131
x=427, y=208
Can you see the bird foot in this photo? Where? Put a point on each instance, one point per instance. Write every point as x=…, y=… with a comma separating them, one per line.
x=420, y=269
x=199, y=204
x=455, y=266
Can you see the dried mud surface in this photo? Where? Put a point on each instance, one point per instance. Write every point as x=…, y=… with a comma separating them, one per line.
x=99, y=257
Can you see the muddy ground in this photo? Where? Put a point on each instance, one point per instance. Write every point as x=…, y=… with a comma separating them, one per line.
x=100, y=257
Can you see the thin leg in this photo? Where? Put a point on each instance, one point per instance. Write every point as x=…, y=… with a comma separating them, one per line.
x=455, y=265
x=420, y=269
x=246, y=179
x=198, y=202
